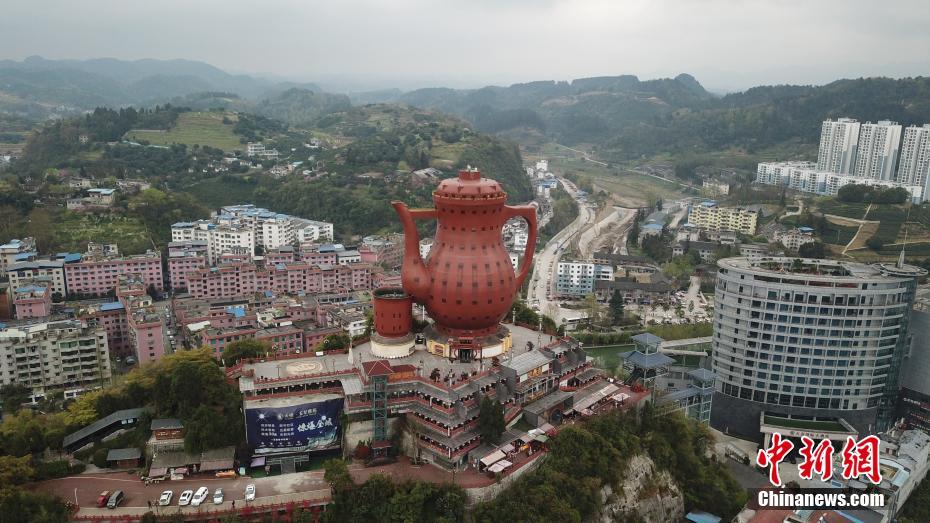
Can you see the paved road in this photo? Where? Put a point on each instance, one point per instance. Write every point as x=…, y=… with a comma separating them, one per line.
x=617, y=220
x=545, y=265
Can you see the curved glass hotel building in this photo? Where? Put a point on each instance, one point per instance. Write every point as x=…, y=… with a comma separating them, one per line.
x=810, y=340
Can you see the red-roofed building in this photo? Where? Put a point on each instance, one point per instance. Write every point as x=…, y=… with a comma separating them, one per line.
x=377, y=368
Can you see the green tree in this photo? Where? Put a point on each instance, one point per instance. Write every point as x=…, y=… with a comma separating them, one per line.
x=616, y=308
x=28, y=506
x=876, y=244
x=16, y=470
x=812, y=250
x=244, y=349
x=40, y=225
x=336, y=473
x=491, y=420
x=13, y=396
x=100, y=457
x=335, y=342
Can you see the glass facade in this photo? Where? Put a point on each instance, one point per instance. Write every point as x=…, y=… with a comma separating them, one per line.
x=814, y=334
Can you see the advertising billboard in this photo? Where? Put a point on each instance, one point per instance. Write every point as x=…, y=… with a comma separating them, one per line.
x=293, y=425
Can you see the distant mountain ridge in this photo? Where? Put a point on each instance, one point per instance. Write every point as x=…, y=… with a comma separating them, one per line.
x=38, y=88
x=622, y=117
x=626, y=118
x=582, y=110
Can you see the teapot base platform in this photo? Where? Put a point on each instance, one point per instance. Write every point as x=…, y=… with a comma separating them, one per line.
x=468, y=348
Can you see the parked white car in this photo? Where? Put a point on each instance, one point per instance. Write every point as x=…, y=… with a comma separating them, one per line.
x=217, y=496
x=200, y=496
x=250, y=492
x=185, y=498
x=165, y=499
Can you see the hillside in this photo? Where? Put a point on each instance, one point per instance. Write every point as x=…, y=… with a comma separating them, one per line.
x=363, y=160
x=583, y=110
x=193, y=128
x=375, y=148
x=38, y=88
x=625, y=118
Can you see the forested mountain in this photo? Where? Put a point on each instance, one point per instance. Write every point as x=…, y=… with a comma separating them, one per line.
x=626, y=118
x=38, y=88
x=583, y=110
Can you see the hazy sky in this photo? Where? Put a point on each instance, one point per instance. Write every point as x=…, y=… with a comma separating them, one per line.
x=414, y=43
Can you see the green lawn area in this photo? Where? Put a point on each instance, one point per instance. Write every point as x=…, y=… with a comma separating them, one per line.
x=74, y=230
x=829, y=426
x=839, y=234
x=200, y=128
x=921, y=249
x=608, y=356
x=683, y=331
x=447, y=151
x=849, y=209
x=890, y=218
x=224, y=190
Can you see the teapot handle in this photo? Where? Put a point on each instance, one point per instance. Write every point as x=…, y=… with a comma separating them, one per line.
x=527, y=212
x=423, y=214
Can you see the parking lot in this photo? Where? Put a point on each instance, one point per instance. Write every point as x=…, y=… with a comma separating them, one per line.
x=86, y=488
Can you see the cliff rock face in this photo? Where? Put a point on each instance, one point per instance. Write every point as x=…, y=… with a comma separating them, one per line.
x=645, y=495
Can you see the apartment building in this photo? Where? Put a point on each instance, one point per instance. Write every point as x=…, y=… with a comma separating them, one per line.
x=877, y=152
x=914, y=164
x=865, y=154
x=259, y=149
x=144, y=324
x=240, y=229
x=110, y=316
x=14, y=249
x=271, y=229
x=794, y=238
x=387, y=251
x=54, y=355
x=838, y=143
x=708, y=215
x=32, y=301
x=225, y=238
x=804, y=177
x=312, y=230
x=254, y=149
x=98, y=275
x=184, y=257
x=49, y=272
x=576, y=278
x=244, y=278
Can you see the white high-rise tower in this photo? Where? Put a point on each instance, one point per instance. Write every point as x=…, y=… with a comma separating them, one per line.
x=838, y=141
x=877, y=153
x=914, y=165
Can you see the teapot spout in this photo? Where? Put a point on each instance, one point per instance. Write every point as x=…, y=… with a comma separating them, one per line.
x=414, y=273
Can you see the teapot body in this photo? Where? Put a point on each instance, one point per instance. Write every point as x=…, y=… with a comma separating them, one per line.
x=467, y=283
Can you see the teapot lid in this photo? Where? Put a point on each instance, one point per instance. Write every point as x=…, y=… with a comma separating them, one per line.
x=469, y=185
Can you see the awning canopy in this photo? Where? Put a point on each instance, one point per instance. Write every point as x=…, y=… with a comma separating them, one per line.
x=620, y=397
x=492, y=458
x=508, y=448
x=258, y=462
x=500, y=466
x=591, y=399
x=154, y=473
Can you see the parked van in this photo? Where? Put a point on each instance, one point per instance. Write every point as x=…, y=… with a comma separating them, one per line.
x=115, y=499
